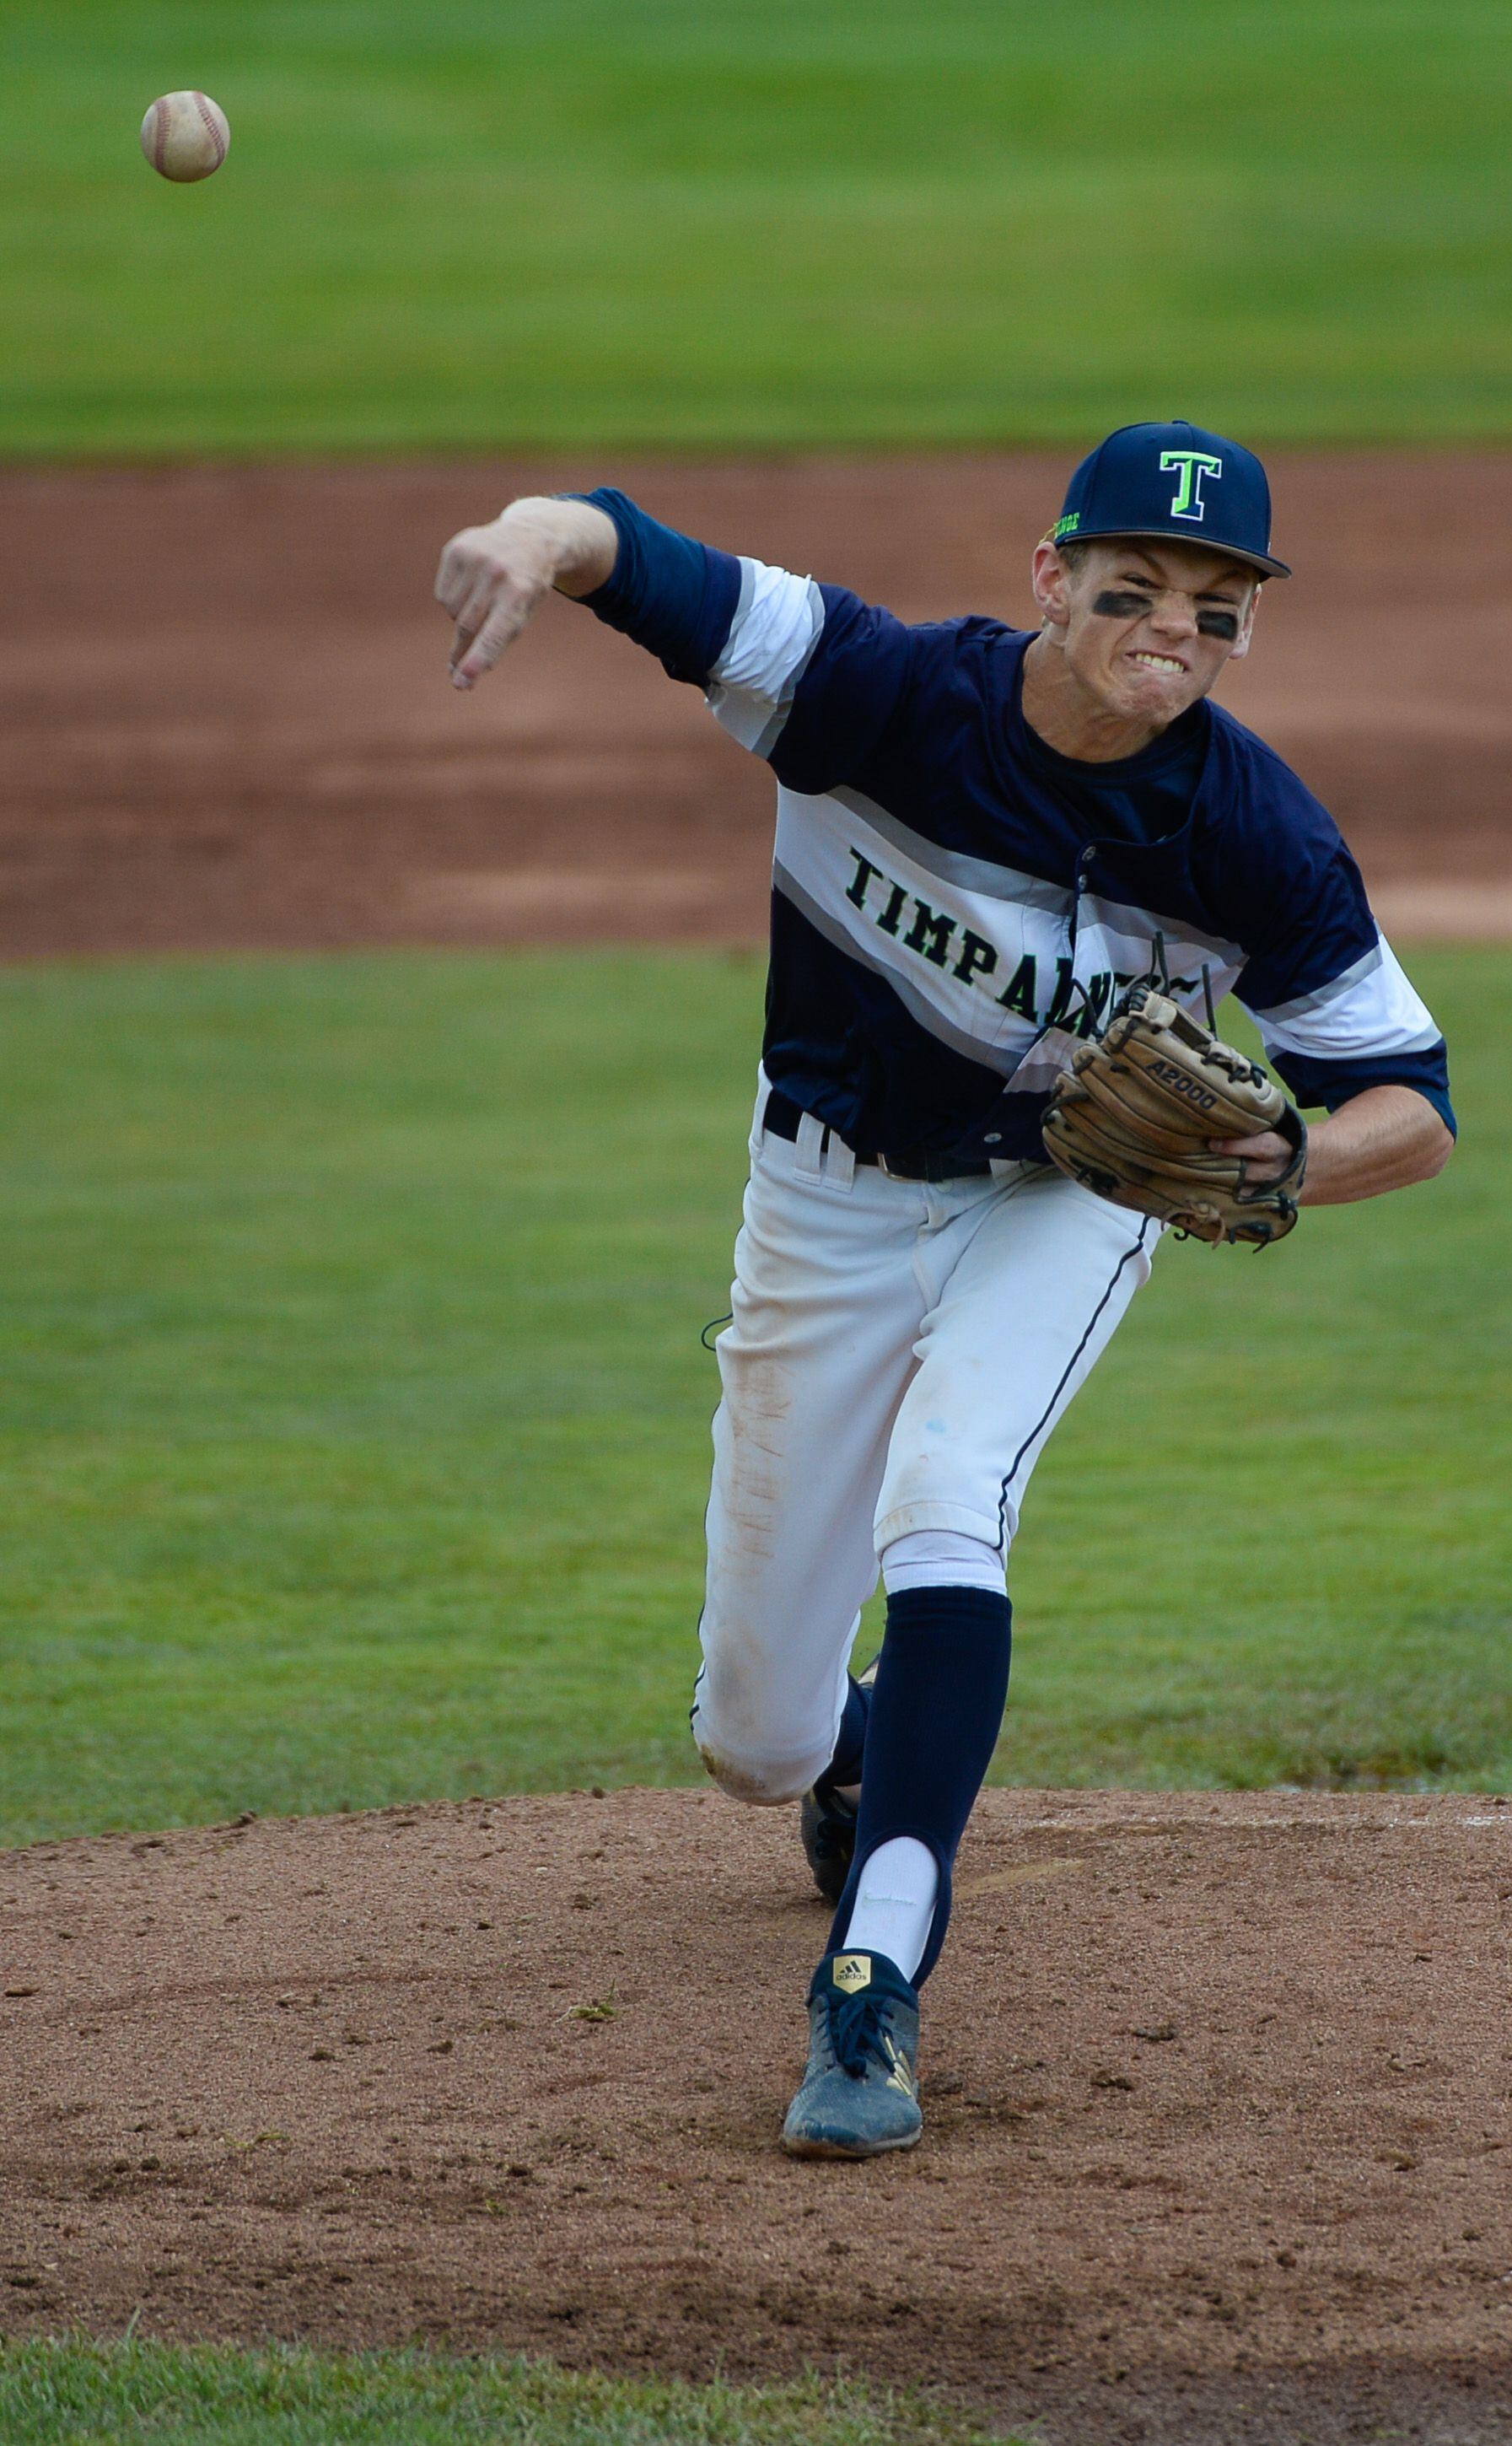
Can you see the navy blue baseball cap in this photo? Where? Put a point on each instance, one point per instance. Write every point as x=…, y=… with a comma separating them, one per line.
x=1173, y=480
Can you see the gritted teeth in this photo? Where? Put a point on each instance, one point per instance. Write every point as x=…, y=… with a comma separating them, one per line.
x=1160, y=662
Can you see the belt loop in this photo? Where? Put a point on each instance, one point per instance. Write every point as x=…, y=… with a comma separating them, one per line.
x=839, y=1161
x=763, y=1096
x=809, y=1149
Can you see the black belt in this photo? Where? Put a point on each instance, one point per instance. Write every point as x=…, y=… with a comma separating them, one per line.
x=781, y=1116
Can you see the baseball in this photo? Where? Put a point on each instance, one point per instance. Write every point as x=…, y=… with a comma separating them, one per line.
x=185, y=136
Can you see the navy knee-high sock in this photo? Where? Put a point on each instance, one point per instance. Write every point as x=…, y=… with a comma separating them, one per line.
x=935, y=1716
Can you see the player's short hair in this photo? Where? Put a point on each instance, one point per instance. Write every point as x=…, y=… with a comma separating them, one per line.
x=1075, y=550
x=1071, y=552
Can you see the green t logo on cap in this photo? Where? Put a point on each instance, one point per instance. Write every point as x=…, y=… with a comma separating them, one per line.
x=1191, y=467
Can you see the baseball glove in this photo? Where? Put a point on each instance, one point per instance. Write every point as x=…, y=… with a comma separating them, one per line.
x=1134, y=1117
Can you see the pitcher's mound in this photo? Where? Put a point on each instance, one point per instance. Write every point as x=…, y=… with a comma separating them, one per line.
x=1216, y=2090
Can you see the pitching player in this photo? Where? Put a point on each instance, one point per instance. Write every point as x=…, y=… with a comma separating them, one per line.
x=983, y=837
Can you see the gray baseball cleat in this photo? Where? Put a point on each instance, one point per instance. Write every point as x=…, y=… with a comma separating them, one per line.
x=859, y=2093
x=827, y=1824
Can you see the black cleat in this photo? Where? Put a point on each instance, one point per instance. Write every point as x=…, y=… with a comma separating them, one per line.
x=827, y=1824
x=829, y=1830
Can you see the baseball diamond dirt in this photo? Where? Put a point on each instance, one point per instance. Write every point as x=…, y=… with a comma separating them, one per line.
x=228, y=723
x=1218, y=2137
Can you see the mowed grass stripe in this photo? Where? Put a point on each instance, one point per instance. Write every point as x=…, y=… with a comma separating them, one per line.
x=672, y=226
x=354, y=1412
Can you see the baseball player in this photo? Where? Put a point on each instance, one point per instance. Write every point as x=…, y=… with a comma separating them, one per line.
x=985, y=841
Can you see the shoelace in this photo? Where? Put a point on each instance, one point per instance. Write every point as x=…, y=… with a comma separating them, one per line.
x=856, y=2033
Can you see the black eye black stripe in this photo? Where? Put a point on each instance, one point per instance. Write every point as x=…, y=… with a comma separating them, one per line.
x=1115, y=604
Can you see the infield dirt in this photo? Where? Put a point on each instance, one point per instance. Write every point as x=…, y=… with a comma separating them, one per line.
x=228, y=720
x=1216, y=2085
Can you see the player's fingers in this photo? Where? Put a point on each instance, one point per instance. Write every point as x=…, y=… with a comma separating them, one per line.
x=457, y=573
x=1265, y=1157
x=503, y=626
x=483, y=650
x=472, y=607
x=472, y=614
x=467, y=565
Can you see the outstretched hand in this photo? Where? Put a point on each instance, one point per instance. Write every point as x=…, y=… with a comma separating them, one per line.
x=492, y=579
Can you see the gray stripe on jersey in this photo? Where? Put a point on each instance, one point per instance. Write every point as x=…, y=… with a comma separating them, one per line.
x=954, y=866
x=1372, y=1008
x=777, y=723
x=1320, y=995
x=1030, y=891
x=989, y=1057
x=1125, y=917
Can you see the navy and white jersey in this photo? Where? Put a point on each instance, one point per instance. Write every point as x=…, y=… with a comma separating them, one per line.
x=954, y=904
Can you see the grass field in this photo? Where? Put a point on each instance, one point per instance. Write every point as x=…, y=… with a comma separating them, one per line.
x=73, y=2393
x=683, y=224
x=353, y=1411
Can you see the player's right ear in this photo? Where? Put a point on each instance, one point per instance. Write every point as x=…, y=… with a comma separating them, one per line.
x=1051, y=582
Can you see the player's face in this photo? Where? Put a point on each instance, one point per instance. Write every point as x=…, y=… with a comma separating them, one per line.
x=1146, y=627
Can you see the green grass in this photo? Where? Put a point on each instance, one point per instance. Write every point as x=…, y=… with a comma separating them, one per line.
x=353, y=1412
x=695, y=223
x=73, y=2393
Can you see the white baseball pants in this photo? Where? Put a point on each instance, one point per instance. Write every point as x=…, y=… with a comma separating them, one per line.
x=898, y=1355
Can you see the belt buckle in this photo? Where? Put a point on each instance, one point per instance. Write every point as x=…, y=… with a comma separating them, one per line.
x=898, y=1172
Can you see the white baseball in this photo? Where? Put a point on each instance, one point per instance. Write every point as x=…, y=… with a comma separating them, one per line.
x=185, y=136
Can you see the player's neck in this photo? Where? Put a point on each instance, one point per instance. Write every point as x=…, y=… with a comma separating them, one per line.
x=1065, y=714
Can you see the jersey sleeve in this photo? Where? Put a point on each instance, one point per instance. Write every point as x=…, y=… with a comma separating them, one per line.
x=1366, y=1027
x=776, y=623
x=1336, y=1011
x=670, y=593
x=812, y=677
x=804, y=675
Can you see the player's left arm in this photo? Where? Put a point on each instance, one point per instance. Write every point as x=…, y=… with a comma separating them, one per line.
x=1360, y=1041
x=1384, y=1137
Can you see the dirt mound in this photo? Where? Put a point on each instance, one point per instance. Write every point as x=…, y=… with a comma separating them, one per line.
x=227, y=719
x=1216, y=2085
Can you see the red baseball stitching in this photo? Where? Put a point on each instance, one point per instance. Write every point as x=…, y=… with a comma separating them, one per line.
x=159, y=132
x=202, y=104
